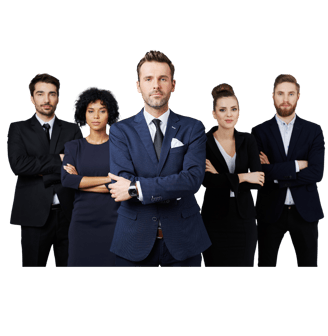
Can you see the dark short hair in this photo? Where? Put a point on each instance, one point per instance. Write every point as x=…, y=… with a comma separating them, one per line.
x=222, y=90
x=91, y=95
x=286, y=78
x=155, y=56
x=44, y=78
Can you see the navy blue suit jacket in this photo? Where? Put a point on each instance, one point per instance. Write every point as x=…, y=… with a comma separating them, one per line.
x=178, y=174
x=306, y=143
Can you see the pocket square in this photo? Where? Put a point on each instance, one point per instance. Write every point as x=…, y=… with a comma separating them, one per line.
x=176, y=143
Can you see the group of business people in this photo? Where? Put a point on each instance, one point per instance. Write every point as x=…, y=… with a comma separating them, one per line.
x=128, y=198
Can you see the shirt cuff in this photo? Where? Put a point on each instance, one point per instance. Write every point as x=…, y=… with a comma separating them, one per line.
x=140, y=196
x=297, y=166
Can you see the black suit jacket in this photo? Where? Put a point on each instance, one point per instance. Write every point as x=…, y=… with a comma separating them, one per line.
x=306, y=143
x=30, y=156
x=218, y=186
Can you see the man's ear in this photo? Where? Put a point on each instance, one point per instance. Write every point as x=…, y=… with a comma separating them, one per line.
x=138, y=87
x=32, y=100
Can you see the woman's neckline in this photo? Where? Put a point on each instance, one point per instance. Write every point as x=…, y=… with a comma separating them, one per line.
x=95, y=144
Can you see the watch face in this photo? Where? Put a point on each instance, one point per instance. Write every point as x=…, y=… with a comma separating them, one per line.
x=133, y=192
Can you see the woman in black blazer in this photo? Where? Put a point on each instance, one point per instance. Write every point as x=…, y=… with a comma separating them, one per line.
x=228, y=210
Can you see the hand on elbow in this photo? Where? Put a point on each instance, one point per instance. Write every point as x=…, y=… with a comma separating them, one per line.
x=255, y=177
x=302, y=164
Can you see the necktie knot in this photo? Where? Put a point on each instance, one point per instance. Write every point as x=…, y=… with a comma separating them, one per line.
x=46, y=126
x=157, y=122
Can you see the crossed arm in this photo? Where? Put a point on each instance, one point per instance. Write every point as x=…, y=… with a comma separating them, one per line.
x=173, y=186
x=310, y=171
x=71, y=178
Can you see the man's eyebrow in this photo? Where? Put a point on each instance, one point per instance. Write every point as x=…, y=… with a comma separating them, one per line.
x=39, y=92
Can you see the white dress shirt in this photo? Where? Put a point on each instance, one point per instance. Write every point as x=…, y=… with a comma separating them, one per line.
x=55, y=199
x=230, y=161
x=286, y=131
x=152, y=129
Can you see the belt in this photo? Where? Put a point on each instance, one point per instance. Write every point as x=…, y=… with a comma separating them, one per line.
x=159, y=233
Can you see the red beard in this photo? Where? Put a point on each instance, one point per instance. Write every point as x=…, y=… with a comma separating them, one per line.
x=285, y=112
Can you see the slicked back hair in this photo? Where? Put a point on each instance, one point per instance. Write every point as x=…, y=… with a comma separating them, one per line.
x=155, y=56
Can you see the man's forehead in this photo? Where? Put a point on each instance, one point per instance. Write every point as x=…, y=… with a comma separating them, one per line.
x=286, y=86
x=42, y=86
x=153, y=67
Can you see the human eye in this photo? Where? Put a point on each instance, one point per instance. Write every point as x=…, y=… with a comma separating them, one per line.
x=234, y=109
x=163, y=79
x=90, y=111
x=103, y=111
x=221, y=110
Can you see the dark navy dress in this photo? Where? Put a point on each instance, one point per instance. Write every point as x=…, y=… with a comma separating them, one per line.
x=94, y=215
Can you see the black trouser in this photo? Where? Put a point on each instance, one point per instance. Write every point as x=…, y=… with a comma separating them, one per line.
x=304, y=237
x=37, y=241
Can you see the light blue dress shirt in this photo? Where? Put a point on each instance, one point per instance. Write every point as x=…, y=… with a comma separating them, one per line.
x=286, y=131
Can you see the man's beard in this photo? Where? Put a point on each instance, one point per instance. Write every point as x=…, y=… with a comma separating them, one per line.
x=155, y=103
x=48, y=113
x=283, y=112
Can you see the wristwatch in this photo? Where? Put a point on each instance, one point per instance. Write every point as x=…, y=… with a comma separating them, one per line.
x=133, y=192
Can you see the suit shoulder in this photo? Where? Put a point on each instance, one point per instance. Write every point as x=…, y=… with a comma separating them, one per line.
x=262, y=126
x=68, y=124
x=310, y=124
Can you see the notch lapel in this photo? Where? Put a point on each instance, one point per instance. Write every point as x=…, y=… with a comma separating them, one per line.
x=143, y=132
x=277, y=136
x=297, y=128
x=41, y=134
x=55, y=135
x=239, y=139
x=171, y=130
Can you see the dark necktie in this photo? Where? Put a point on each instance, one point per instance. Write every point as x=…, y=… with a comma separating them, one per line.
x=158, y=138
x=47, y=128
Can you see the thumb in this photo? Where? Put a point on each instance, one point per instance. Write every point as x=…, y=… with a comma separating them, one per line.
x=113, y=177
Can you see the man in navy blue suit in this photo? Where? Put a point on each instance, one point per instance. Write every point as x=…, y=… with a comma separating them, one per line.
x=157, y=159
x=292, y=156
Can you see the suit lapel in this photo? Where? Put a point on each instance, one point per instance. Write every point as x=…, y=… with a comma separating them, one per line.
x=213, y=146
x=55, y=135
x=239, y=139
x=297, y=128
x=277, y=136
x=41, y=134
x=171, y=130
x=143, y=131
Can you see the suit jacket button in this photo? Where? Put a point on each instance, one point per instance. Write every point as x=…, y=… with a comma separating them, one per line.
x=154, y=219
x=167, y=201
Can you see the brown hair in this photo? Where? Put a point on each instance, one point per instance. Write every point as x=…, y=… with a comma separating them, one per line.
x=44, y=78
x=222, y=90
x=155, y=56
x=286, y=78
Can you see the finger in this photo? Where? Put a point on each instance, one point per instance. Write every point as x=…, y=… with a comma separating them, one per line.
x=113, y=177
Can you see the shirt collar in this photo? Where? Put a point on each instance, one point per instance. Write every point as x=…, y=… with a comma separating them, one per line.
x=163, y=118
x=50, y=122
x=282, y=123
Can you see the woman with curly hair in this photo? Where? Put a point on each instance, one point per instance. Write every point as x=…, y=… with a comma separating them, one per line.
x=85, y=168
x=228, y=210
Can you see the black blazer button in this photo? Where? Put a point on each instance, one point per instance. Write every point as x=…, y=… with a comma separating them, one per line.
x=154, y=219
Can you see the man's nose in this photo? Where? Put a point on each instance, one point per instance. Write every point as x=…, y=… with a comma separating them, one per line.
x=156, y=83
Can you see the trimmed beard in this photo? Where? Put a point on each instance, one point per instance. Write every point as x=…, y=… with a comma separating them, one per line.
x=283, y=112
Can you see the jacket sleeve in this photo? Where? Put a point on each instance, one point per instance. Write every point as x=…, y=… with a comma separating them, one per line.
x=314, y=172
x=275, y=171
x=70, y=180
x=51, y=179
x=23, y=164
x=173, y=186
x=254, y=164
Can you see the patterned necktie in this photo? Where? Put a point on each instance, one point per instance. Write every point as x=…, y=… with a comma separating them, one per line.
x=158, y=138
x=47, y=128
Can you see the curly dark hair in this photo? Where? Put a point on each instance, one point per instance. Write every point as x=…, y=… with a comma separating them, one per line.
x=91, y=95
